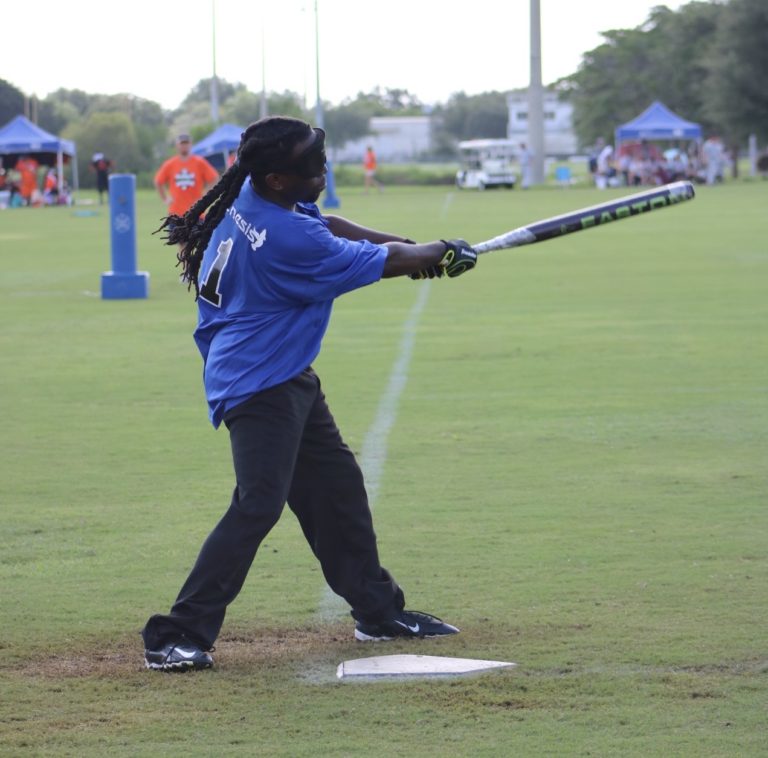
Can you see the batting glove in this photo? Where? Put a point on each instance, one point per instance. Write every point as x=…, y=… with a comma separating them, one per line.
x=459, y=257
x=432, y=272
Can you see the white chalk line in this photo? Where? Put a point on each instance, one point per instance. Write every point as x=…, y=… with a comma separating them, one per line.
x=373, y=454
x=446, y=205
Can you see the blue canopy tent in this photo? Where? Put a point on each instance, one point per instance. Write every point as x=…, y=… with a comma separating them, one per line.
x=657, y=122
x=21, y=137
x=217, y=146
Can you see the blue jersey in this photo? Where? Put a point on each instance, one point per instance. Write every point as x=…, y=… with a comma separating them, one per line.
x=267, y=284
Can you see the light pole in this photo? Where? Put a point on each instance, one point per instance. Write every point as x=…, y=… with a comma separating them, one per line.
x=330, y=200
x=536, y=98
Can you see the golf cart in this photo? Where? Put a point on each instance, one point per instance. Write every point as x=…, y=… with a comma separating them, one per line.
x=486, y=163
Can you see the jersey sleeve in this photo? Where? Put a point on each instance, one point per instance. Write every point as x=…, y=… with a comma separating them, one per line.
x=322, y=266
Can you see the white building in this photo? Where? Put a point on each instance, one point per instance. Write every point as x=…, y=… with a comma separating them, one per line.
x=559, y=137
x=403, y=139
x=394, y=139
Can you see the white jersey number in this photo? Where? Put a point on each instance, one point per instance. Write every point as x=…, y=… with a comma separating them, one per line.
x=210, y=289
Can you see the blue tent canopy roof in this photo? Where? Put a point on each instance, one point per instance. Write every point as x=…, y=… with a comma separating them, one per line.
x=657, y=122
x=223, y=140
x=20, y=136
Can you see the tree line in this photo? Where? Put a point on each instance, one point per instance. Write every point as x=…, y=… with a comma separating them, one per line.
x=707, y=61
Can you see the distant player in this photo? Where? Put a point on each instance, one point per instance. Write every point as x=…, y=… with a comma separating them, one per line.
x=267, y=266
x=183, y=179
x=101, y=165
x=370, y=165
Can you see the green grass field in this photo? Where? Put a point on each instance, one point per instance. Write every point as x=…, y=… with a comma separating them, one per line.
x=576, y=477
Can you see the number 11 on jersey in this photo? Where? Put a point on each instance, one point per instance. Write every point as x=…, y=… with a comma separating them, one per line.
x=210, y=289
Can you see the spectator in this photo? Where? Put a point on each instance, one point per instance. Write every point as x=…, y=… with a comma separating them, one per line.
x=526, y=165
x=27, y=167
x=183, y=179
x=652, y=163
x=593, y=155
x=102, y=166
x=5, y=189
x=713, y=155
x=636, y=170
x=625, y=163
x=11, y=186
x=51, y=188
x=51, y=193
x=677, y=167
x=605, y=168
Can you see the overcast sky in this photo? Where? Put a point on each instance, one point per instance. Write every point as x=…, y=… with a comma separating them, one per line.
x=160, y=49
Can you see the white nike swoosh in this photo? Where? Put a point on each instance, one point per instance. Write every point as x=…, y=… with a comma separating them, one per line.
x=185, y=653
x=414, y=629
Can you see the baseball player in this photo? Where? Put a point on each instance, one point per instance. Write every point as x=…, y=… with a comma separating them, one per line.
x=266, y=266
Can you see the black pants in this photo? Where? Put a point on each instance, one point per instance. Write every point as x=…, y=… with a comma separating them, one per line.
x=286, y=447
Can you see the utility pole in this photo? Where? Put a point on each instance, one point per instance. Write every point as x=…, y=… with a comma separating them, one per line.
x=214, y=80
x=318, y=103
x=263, y=110
x=536, y=98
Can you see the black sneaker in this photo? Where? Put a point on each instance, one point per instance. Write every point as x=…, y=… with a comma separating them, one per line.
x=177, y=656
x=405, y=624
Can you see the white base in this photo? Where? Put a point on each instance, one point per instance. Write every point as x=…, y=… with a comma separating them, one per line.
x=415, y=665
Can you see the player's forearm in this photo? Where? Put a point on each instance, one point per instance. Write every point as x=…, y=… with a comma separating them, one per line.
x=403, y=258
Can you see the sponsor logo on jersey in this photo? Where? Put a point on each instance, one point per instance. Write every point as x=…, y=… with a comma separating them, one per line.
x=255, y=238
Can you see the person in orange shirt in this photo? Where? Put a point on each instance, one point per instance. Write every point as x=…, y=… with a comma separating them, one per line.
x=182, y=180
x=369, y=168
x=27, y=167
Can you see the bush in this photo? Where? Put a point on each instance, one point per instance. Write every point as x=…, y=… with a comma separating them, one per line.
x=429, y=174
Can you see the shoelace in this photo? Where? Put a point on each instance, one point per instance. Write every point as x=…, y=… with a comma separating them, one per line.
x=168, y=654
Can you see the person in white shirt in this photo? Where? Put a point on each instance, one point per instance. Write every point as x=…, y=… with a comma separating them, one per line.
x=526, y=165
x=605, y=169
x=714, y=158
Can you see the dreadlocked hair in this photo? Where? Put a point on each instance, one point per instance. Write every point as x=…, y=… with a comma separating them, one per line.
x=264, y=145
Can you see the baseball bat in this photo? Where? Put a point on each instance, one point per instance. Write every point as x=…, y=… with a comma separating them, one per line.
x=586, y=218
